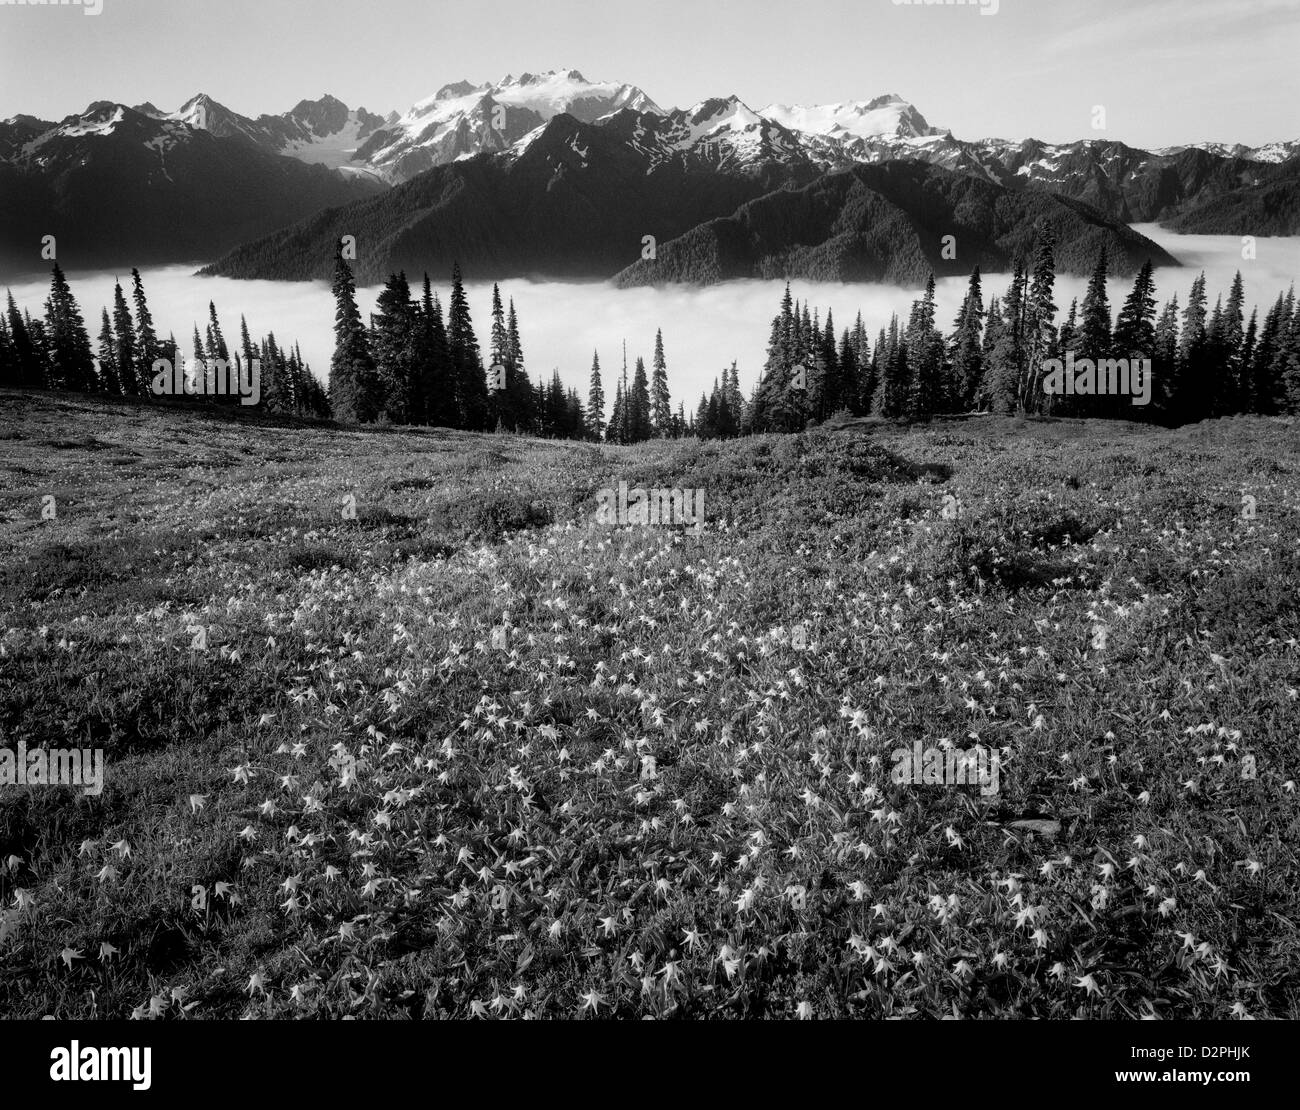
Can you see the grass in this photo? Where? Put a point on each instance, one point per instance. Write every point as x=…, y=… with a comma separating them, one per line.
x=649, y=801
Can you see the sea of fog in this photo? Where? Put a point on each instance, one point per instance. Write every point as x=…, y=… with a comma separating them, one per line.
x=705, y=329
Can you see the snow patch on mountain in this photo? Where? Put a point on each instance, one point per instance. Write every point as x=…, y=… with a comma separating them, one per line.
x=1270, y=152
x=463, y=119
x=95, y=123
x=886, y=116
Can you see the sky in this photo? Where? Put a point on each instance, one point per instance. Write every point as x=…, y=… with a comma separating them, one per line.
x=1166, y=71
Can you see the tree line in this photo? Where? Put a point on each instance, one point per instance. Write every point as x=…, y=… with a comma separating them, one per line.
x=1203, y=363
x=54, y=351
x=416, y=363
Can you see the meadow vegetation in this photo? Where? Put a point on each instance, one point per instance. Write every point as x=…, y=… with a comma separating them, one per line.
x=641, y=798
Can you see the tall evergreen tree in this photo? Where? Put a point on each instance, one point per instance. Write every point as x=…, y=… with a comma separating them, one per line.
x=1040, y=338
x=354, y=383
x=72, y=363
x=1095, y=340
x=1232, y=351
x=1219, y=389
x=521, y=405
x=436, y=391
x=466, y=362
x=500, y=410
x=1265, y=386
x=925, y=357
x=148, y=349
x=596, y=400
x=780, y=401
x=218, y=348
x=1006, y=361
x=29, y=368
x=128, y=366
x=1193, y=398
x=1164, y=363
x=1135, y=329
x=661, y=405
x=615, y=432
x=40, y=341
x=894, y=393
x=1288, y=371
x=106, y=361
x=846, y=359
x=8, y=363
x=394, y=347
x=638, y=406
x=966, y=357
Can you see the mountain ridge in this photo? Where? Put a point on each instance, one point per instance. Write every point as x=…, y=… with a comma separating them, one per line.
x=324, y=154
x=581, y=200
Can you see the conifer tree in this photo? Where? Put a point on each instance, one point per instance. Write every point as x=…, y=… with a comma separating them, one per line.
x=128, y=366
x=703, y=423
x=40, y=342
x=1040, y=321
x=353, y=382
x=8, y=363
x=735, y=399
x=106, y=361
x=29, y=369
x=72, y=363
x=638, y=406
x=218, y=347
x=661, y=406
x=1288, y=371
x=466, y=362
x=1164, y=363
x=1006, y=361
x=1192, y=402
x=924, y=350
x=1095, y=340
x=779, y=404
x=869, y=379
x=394, y=348
x=966, y=356
x=1135, y=329
x=614, y=432
x=1265, y=390
x=1231, y=351
x=596, y=400
x=521, y=394
x=1216, y=360
x=894, y=393
x=846, y=360
x=148, y=349
x=245, y=343
x=500, y=410
x=436, y=391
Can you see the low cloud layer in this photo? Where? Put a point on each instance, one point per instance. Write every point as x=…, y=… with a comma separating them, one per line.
x=704, y=329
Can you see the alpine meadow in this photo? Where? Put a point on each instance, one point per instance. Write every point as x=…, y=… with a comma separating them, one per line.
x=580, y=549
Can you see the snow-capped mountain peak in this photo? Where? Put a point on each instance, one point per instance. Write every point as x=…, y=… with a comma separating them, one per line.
x=457, y=89
x=202, y=113
x=463, y=119
x=1269, y=152
x=194, y=110
x=888, y=116
x=729, y=112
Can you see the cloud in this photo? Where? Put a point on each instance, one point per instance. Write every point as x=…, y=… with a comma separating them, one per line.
x=1155, y=23
x=704, y=329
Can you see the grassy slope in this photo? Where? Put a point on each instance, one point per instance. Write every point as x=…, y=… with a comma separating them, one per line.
x=500, y=847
